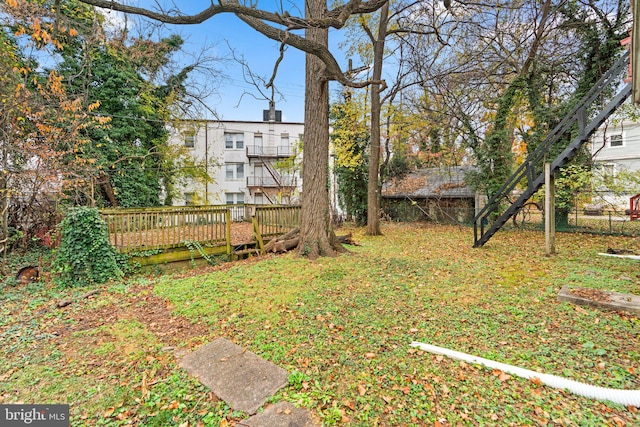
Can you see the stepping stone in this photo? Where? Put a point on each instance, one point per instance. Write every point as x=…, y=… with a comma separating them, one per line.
x=606, y=300
x=283, y=414
x=237, y=376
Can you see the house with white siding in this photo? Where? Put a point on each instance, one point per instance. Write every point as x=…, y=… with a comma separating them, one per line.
x=252, y=162
x=616, y=149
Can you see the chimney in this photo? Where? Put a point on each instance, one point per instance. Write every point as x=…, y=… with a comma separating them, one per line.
x=271, y=115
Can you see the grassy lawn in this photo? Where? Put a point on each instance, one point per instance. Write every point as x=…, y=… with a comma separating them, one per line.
x=342, y=328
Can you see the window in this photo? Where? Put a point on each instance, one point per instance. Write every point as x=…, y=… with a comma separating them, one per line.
x=189, y=139
x=235, y=198
x=608, y=170
x=233, y=140
x=234, y=171
x=284, y=140
x=188, y=199
x=616, y=140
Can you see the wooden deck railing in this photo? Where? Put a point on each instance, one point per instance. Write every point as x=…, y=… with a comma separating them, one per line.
x=170, y=227
x=274, y=220
x=167, y=227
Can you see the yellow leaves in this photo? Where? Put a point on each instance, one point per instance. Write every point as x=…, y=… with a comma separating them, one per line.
x=93, y=106
x=19, y=87
x=12, y=3
x=54, y=84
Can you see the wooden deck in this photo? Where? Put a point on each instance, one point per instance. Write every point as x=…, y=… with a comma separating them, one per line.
x=240, y=233
x=180, y=233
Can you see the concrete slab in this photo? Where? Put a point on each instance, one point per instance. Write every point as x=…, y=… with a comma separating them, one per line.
x=237, y=376
x=283, y=414
x=607, y=300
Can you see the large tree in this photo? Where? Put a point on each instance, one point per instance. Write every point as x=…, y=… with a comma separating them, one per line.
x=316, y=236
x=41, y=128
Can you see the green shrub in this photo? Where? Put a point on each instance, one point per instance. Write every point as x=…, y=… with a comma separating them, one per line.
x=85, y=255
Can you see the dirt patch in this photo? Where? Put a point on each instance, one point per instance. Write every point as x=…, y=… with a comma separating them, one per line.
x=591, y=294
x=142, y=305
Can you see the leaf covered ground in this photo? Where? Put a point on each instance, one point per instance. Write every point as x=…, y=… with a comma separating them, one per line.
x=342, y=328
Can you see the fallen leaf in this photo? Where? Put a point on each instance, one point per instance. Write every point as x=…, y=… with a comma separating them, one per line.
x=536, y=380
x=387, y=399
x=404, y=390
x=619, y=421
x=122, y=416
x=501, y=375
x=108, y=412
x=349, y=404
x=369, y=355
x=504, y=377
x=361, y=390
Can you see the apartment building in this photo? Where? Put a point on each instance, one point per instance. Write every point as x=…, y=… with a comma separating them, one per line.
x=255, y=162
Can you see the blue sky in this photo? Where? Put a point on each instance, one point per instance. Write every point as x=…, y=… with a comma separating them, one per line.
x=260, y=53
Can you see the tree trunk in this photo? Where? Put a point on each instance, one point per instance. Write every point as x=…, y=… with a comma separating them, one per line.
x=315, y=229
x=105, y=185
x=373, y=184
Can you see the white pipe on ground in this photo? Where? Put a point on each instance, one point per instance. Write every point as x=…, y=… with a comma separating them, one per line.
x=622, y=397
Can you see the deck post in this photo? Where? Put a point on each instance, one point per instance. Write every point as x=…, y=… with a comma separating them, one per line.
x=549, y=211
x=256, y=232
x=227, y=215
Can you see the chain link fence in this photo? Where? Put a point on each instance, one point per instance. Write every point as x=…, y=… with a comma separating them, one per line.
x=582, y=218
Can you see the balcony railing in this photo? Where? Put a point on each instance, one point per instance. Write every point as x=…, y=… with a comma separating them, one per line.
x=270, y=182
x=260, y=151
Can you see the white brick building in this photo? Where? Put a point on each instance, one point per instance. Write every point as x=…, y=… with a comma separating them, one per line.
x=249, y=161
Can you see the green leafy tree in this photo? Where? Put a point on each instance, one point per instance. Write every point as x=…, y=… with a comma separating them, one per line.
x=131, y=150
x=350, y=140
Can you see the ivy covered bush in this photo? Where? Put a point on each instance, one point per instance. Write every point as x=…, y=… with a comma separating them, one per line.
x=85, y=255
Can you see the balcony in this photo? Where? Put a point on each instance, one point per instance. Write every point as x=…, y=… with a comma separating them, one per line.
x=270, y=152
x=270, y=182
